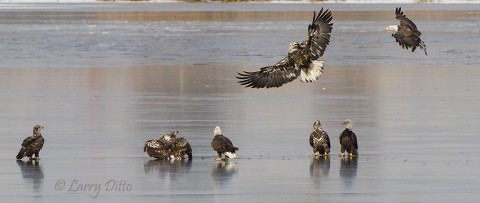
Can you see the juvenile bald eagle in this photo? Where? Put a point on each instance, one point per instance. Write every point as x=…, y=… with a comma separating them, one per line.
x=319, y=140
x=32, y=144
x=348, y=140
x=302, y=59
x=180, y=148
x=406, y=34
x=161, y=148
x=223, y=145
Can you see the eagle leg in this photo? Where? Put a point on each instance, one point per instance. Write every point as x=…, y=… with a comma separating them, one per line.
x=37, y=155
x=413, y=48
x=219, y=157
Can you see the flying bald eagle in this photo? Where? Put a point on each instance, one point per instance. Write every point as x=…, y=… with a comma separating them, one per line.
x=348, y=140
x=32, y=144
x=319, y=140
x=406, y=34
x=161, y=148
x=302, y=59
x=223, y=145
x=180, y=147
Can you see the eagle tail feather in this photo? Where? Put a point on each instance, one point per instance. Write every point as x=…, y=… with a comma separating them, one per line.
x=423, y=47
x=21, y=153
x=314, y=71
x=231, y=155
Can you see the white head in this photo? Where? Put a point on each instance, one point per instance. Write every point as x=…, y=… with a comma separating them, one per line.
x=348, y=124
x=293, y=47
x=217, y=131
x=393, y=28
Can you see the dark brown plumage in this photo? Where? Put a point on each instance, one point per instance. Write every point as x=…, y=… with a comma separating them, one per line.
x=406, y=34
x=161, y=148
x=32, y=144
x=319, y=140
x=180, y=148
x=302, y=60
x=348, y=140
x=223, y=145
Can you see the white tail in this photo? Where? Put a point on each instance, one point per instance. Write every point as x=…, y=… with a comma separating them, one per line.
x=315, y=70
x=231, y=155
x=423, y=46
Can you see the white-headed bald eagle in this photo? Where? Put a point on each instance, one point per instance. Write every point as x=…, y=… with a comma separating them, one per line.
x=406, y=34
x=348, y=140
x=319, y=140
x=32, y=144
x=222, y=145
x=302, y=60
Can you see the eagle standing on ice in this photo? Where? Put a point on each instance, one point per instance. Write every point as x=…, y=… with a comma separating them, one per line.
x=348, y=140
x=32, y=144
x=160, y=148
x=223, y=145
x=180, y=147
x=406, y=34
x=319, y=140
x=302, y=60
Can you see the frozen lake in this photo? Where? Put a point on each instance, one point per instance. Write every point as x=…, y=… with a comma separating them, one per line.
x=103, y=80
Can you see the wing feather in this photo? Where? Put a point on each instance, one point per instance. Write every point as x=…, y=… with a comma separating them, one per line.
x=271, y=76
x=318, y=34
x=404, y=21
x=354, y=140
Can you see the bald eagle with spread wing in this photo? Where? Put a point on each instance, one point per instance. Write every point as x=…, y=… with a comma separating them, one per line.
x=319, y=140
x=406, y=34
x=303, y=60
x=32, y=144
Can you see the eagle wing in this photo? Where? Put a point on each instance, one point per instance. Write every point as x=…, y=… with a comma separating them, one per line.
x=271, y=76
x=327, y=139
x=318, y=37
x=311, y=138
x=354, y=139
x=222, y=144
x=28, y=140
x=405, y=22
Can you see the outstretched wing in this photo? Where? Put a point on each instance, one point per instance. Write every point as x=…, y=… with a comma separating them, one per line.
x=271, y=76
x=405, y=22
x=318, y=35
x=406, y=38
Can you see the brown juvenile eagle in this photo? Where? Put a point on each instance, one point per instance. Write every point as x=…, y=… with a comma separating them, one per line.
x=161, y=148
x=406, y=34
x=319, y=140
x=223, y=145
x=348, y=140
x=302, y=59
x=180, y=147
x=32, y=144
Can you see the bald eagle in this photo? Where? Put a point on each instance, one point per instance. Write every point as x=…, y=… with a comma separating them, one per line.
x=32, y=144
x=348, y=140
x=406, y=34
x=319, y=140
x=161, y=148
x=223, y=145
x=302, y=59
